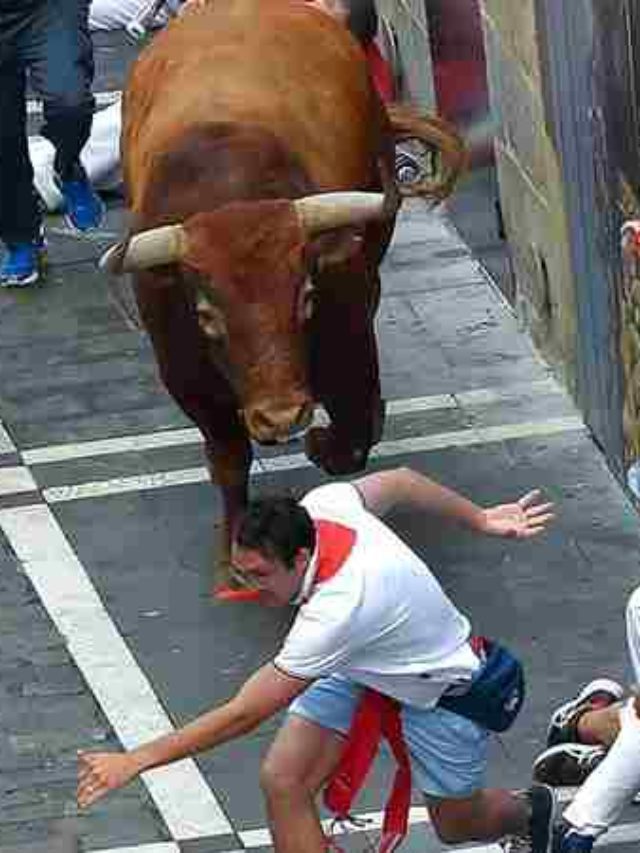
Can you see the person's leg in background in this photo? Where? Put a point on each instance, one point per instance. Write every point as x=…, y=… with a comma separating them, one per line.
x=449, y=759
x=61, y=65
x=19, y=212
x=607, y=790
x=605, y=756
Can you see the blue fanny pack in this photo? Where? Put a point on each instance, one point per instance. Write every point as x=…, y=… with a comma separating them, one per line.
x=496, y=693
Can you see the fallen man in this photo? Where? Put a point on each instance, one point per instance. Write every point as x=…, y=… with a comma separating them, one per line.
x=374, y=635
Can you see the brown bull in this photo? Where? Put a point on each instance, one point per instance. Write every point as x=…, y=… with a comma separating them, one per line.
x=258, y=293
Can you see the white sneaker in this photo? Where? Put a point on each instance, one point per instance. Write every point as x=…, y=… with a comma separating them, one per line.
x=564, y=720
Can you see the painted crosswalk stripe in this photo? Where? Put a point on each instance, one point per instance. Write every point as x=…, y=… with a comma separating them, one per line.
x=290, y=462
x=182, y=796
x=626, y=833
x=178, y=437
x=161, y=847
x=6, y=445
x=16, y=480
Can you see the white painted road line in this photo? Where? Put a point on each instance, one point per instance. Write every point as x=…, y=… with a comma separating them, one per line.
x=15, y=481
x=372, y=821
x=6, y=445
x=109, y=446
x=177, y=437
x=182, y=796
x=290, y=462
x=162, y=847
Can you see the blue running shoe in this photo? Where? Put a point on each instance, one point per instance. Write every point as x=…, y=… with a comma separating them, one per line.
x=24, y=263
x=83, y=208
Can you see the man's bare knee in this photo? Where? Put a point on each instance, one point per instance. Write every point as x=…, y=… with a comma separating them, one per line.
x=279, y=780
x=448, y=831
x=450, y=819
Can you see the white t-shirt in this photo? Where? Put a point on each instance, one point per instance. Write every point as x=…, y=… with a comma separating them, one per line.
x=372, y=610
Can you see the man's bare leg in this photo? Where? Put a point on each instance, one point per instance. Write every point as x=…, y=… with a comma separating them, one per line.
x=300, y=760
x=615, y=780
x=487, y=815
x=600, y=727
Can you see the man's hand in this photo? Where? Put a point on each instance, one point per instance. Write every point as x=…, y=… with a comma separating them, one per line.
x=101, y=772
x=267, y=691
x=527, y=517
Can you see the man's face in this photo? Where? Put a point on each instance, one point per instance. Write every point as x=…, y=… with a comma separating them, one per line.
x=276, y=584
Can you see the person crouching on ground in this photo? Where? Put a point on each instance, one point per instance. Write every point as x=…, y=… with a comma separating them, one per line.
x=372, y=621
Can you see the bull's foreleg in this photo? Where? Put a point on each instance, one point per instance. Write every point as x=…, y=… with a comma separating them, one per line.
x=344, y=372
x=203, y=393
x=229, y=464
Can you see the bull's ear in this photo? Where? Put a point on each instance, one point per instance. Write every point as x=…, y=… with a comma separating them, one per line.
x=111, y=261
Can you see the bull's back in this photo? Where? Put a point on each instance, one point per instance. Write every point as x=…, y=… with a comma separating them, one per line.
x=278, y=64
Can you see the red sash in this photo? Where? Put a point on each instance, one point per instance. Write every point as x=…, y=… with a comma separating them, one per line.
x=376, y=717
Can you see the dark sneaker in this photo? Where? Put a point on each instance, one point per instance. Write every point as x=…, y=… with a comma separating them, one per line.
x=566, y=839
x=567, y=763
x=24, y=263
x=539, y=839
x=563, y=726
x=83, y=208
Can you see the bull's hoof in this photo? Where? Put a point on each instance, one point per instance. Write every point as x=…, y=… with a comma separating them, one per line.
x=327, y=453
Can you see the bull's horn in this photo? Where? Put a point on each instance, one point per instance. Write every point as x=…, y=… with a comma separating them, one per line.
x=153, y=248
x=332, y=210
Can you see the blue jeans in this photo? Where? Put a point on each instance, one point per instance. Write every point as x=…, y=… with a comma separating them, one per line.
x=48, y=40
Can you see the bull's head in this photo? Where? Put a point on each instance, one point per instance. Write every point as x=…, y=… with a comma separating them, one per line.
x=253, y=293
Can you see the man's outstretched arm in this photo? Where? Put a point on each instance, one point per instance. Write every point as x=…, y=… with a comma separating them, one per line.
x=266, y=692
x=404, y=487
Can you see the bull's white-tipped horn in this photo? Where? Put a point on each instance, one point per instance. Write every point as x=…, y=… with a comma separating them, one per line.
x=153, y=248
x=324, y=211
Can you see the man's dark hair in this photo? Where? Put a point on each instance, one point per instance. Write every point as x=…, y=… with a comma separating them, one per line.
x=278, y=527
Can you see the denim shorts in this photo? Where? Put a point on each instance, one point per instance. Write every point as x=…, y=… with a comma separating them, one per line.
x=448, y=752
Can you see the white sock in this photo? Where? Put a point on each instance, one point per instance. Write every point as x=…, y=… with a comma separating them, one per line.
x=613, y=783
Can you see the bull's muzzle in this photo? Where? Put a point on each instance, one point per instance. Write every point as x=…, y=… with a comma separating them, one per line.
x=270, y=423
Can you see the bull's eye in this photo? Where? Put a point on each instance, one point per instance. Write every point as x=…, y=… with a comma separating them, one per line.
x=305, y=303
x=210, y=318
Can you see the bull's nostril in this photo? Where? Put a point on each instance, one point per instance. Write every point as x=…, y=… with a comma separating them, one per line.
x=268, y=424
x=260, y=424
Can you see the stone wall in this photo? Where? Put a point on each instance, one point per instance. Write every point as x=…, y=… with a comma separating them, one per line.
x=530, y=183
